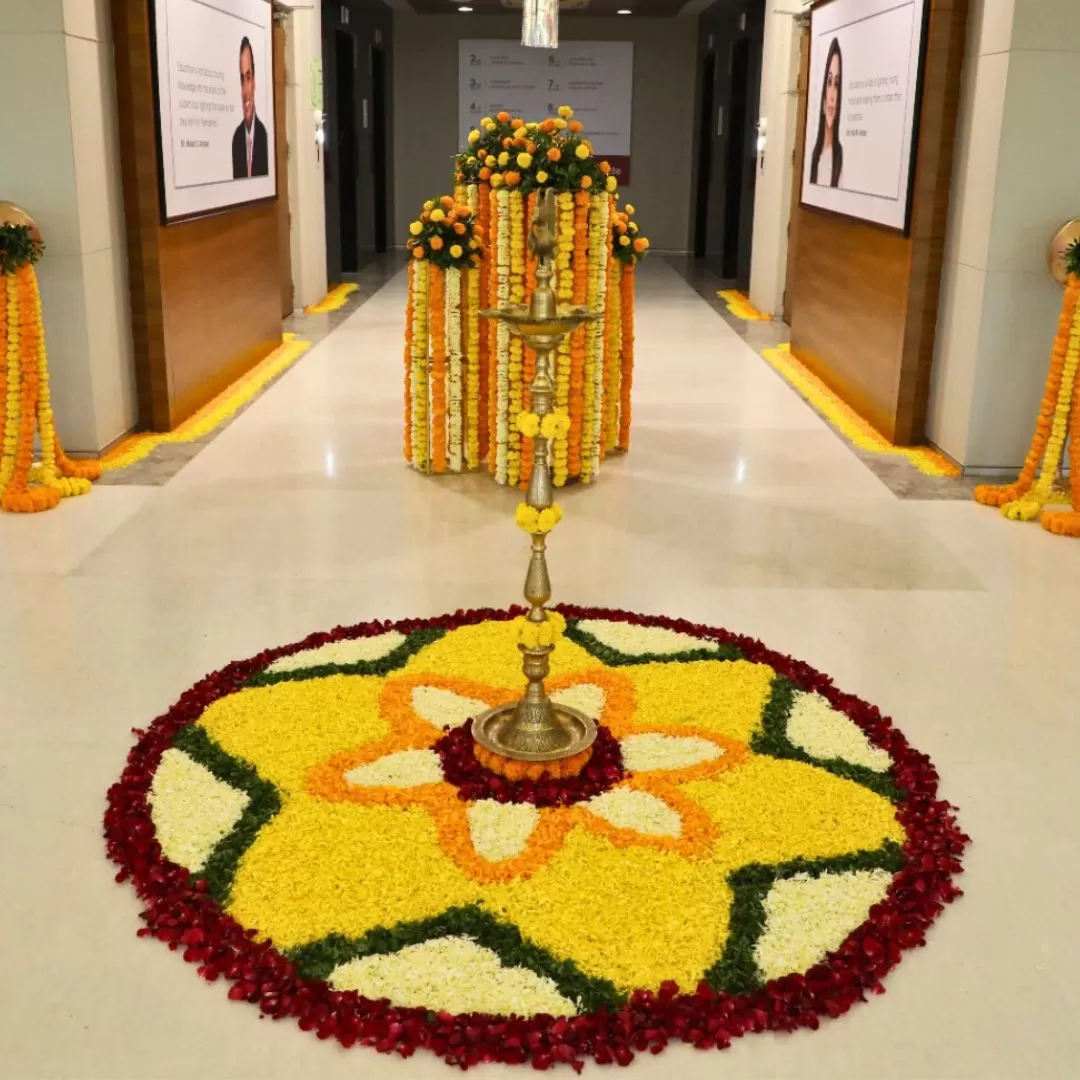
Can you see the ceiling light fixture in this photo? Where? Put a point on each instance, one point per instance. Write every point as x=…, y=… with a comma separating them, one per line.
x=624, y=11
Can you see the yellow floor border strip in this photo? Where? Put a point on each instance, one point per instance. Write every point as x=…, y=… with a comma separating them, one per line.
x=738, y=303
x=333, y=301
x=847, y=421
x=137, y=447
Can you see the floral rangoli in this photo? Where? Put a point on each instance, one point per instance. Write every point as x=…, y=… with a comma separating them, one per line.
x=747, y=849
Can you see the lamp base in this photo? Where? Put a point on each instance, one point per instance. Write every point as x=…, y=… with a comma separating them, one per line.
x=504, y=732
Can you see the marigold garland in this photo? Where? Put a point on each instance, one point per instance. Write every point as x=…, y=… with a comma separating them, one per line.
x=1058, y=421
x=658, y=777
x=626, y=308
x=24, y=395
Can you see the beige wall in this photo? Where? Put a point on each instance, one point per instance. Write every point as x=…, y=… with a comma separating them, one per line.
x=426, y=110
x=60, y=162
x=1013, y=185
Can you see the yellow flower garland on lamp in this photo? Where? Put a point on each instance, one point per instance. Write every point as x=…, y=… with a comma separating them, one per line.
x=24, y=393
x=537, y=522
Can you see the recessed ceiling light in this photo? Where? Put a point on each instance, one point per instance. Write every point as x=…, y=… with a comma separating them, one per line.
x=624, y=11
x=464, y=10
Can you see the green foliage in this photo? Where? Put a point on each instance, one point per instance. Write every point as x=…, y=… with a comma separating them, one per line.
x=1072, y=258
x=18, y=248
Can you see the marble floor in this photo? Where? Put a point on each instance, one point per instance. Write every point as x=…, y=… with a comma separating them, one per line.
x=737, y=506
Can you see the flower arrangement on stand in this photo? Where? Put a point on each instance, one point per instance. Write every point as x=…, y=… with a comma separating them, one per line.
x=26, y=487
x=507, y=161
x=442, y=339
x=1039, y=485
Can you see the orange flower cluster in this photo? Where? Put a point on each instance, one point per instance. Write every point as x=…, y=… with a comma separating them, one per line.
x=529, y=370
x=577, y=342
x=627, y=306
x=437, y=307
x=24, y=398
x=532, y=770
x=1065, y=523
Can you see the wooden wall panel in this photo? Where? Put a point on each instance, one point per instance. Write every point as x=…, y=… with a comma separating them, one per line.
x=864, y=300
x=205, y=294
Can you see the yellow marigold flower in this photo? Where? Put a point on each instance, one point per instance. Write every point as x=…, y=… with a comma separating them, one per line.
x=474, y=137
x=555, y=425
x=542, y=177
x=524, y=161
x=624, y=241
x=416, y=228
x=438, y=214
x=504, y=159
x=528, y=423
x=612, y=184
x=633, y=226
x=532, y=125
x=429, y=205
x=496, y=180
x=474, y=244
x=629, y=209
x=565, y=112
x=521, y=132
x=456, y=251
x=582, y=152
x=560, y=124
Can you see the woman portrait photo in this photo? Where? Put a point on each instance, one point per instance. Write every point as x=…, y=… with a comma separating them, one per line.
x=827, y=159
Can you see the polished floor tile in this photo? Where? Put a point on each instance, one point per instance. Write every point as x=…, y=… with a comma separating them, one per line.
x=737, y=506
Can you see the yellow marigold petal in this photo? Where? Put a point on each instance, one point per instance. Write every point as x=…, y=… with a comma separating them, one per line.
x=772, y=811
x=501, y=831
x=808, y=917
x=651, y=751
x=488, y=654
x=638, y=810
x=724, y=696
x=324, y=867
x=634, y=915
x=443, y=708
x=358, y=650
x=827, y=734
x=192, y=809
x=452, y=974
x=403, y=769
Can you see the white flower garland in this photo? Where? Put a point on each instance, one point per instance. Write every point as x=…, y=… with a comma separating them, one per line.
x=472, y=356
x=420, y=388
x=564, y=290
x=454, y=377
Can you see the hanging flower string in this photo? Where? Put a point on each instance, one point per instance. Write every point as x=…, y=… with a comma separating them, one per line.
x=1035, y=490
x=26, y=487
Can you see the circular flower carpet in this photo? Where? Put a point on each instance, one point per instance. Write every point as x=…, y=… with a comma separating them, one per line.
x=748, y=848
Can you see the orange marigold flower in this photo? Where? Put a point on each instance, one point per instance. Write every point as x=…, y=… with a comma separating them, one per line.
x=503, y=117
x=447, y=202
x=576, y=126
x=459, y=228
x=418, y=251
x=554, y=154
x=485, y=174
x=586, y=182
x=605, y=167
x=512, y=179
x=436, y=243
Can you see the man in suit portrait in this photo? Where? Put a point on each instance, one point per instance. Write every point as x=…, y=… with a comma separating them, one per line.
x=250, y=148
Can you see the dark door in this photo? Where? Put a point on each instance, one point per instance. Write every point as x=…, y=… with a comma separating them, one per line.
x=347, y=150
x=705, y=154
x=736, y=156
x=379, y=145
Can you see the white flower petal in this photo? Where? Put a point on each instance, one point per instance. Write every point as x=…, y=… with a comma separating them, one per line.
x=192, y=809
x=501, y=830
x=355, y=651
x=452, y=974
x=650, y=751
x=402, y=769
x=626, y=808
x=587, y=698
x=826, y=734
x=633, y=640
x=444, y=708
x=806, y=918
